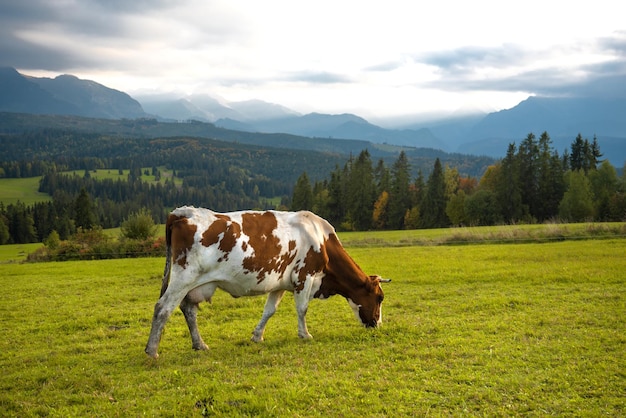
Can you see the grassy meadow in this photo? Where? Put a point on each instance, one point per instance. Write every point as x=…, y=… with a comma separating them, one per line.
x=23, y=190
x=532, y=329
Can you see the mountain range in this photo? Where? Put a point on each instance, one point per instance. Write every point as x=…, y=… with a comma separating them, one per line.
x=478, y=134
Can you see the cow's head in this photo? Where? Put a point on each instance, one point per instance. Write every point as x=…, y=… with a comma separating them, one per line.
x=366, y=302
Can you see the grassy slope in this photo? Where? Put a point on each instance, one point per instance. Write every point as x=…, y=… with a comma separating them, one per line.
x=23, y=190
x=532, y=329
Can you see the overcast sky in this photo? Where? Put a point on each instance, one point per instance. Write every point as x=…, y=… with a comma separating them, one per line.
x=372, y=58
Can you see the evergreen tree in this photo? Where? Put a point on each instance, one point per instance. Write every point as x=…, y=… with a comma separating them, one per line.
x=577, y=156
x=5, y=235
x=420, y=190
x=550, y=184
x=528, y=155
x=593, y=154
x=302, y=194
x=362, y=192
x=481, y=208
x=399, y=199
x=321, y=199
x=585, y=156
x=382, y=178
x=21, y=224
x=337, y=199
x=433, y=213
x=84, y=209
x=507, y=187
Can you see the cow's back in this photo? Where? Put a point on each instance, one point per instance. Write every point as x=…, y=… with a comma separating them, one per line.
x=248, y=252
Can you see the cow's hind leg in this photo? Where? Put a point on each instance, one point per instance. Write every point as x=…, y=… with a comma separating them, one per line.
x=273, y=300
x=162, y=311
x=190, y=310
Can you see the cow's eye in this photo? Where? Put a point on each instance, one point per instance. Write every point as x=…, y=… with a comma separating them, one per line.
x=380, y=298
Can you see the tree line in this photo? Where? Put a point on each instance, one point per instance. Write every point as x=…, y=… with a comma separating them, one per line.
x=211, y=173
x=532, y=183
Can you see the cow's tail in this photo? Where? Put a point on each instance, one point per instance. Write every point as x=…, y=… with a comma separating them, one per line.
x=168, y=257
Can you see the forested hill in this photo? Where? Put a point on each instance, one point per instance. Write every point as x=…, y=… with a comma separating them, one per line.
x=420, y=158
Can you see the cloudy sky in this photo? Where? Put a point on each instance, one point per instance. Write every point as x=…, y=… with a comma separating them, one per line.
x=373, y=58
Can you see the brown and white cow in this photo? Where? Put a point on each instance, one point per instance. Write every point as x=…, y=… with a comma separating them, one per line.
x=252, y=253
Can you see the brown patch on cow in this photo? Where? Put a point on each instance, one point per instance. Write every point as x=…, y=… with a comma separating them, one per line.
x=231, y=232
x=182, y=237
x=344, y=277
x=313, y=263
x=267, y=253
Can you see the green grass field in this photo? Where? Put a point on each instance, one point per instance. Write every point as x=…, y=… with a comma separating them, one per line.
x=23, y=190
x=473, y=330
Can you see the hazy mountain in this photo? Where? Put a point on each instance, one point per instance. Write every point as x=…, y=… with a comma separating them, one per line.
x=21, y=94
x=258, y=110
x=557, y=116
x=562, y=118
x=176, y=110
x=93, y=99
x=344, y=126
x=64, y=95
x=490, y=134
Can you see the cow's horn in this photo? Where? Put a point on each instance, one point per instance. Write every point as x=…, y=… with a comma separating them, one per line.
x=380, y=279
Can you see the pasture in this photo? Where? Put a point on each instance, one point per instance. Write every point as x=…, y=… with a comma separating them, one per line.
x=475, y=330
x=22, y=190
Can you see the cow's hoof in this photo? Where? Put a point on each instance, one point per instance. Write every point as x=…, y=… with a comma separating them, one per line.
x=306, y=336
x=200, y=347
x=154, y=355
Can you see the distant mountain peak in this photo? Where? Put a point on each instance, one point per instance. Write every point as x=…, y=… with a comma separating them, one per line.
x=64, y=95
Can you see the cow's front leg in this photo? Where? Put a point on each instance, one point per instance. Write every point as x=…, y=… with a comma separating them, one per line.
x=271, y=304
x=190, y=310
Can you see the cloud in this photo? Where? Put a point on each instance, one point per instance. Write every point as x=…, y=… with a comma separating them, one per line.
x=593, y=68
x=318, y=77
x=102, y=34
x=321, y=54
x=467, y=59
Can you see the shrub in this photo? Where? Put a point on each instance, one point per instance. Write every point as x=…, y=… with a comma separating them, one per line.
x=139, y=226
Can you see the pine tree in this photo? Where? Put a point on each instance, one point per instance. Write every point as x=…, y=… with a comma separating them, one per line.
x=361, y=192
x=433, y=213
x=550, y=182
x=382, y=178
x=399, y=199
x=507, y=187
x=528, y=155
x=337, y=195
x=85, y=214
x=577, y=156
x=302, y=194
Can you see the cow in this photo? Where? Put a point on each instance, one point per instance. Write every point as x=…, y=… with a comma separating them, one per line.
x=251, y=253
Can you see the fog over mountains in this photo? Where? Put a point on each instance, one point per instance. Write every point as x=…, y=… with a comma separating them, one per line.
x=478, y=134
